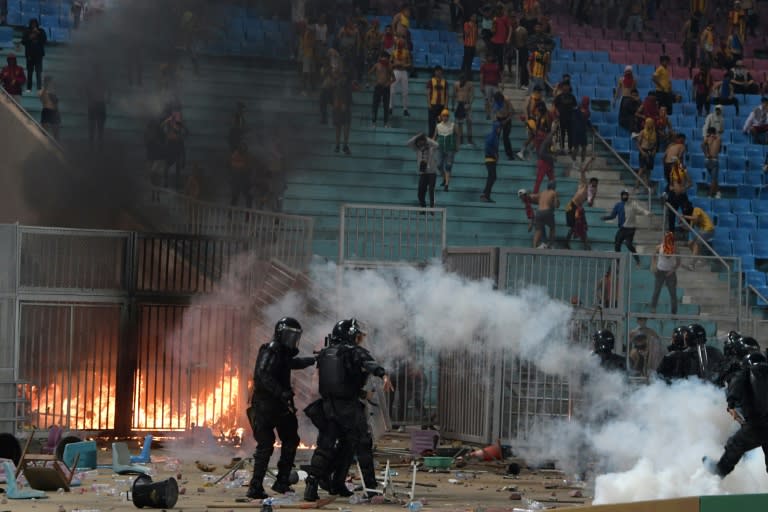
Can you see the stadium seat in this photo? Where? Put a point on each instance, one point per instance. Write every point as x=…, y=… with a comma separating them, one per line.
x=735, y=162
x=725, y=220
x=762, y=222
x=721, y=206
x=760, y=206
x=49, y=20
x=704, y=203
x=741, y=247
x=747, y=262
x=740, y=234
x=760, y=249
x=739, y=206
x=747, y=192
x=722, y=247
x=747, y=221
x=754, y=178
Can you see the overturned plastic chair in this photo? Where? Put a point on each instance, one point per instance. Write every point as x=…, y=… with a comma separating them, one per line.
x=12, y=490
x=143, y=457
x=54, y=436
x=121, y=461
x=87, y=452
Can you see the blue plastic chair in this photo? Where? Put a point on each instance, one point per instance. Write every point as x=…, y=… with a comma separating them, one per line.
x=704, y=203
x=6, y=37
x=12, y=489
x=740, y=234
x=87, y=451
x=762, y=222
x=49, y=19
x=725, y=220
x=722, y=247
x=754, y=178
x=760, y=207
x=747, y=221
x=144, y=456
x=747, y=192
x=735, y=162
x=760, y=249
x=739, y=206
x=747, y=262
x=721, y=206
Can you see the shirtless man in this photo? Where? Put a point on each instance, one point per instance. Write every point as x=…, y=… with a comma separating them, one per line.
x=545, y=215
x=675, y=152
x=575, y=216
x=463, y=94
x=385, y=77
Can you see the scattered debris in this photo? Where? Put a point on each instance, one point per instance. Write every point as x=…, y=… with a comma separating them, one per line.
x=205, y=468
x=576, y=493
x=516, y=496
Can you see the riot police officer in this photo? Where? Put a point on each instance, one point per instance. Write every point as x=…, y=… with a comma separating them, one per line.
x=272, y=405
x=343, y=367
x=674, y=365
x=735, y=349
x=705, y=361
x=748, y=405
x=604, y=342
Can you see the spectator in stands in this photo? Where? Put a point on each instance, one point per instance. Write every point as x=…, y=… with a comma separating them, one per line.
x=446, y=135
x=307, y=51
x=691, y=41
x=321, y=36
x=175, y=133
x=341, y=100
x=751, y=16
x=703, y=225
x=34, y=40
x=649, y=108
x=490, y=77
x=426, y=161
x=502, y=35
x=50, y=118
x=702, y=87
x=674, y=153
x=533, y=105
x=734, y=50
x=711, y=147
x=539, y=39
x=677, y=194
x=77, y=11
x=401, y=22
x=97, y=95
x=722, y=92
x=737, y=19
x=742, y=80
x=544, y=218
x=629, y=107
x=756, y=124
x=623, y=91
x=538, y=67
x=372, y=44
x=664, y=265
x=545, y=163
x=648, y=146
x=575, y=216
x=12, y=77
x=577, y=132
x=350, y=47
x=388, y=40
x=565, y=103
x=463, y=95
x=401, y=64
x=241, y=175
x=437, y=98
x=634, y=20
x=491, y=158
x=714, y=120
x=502, y=111
x=238, y=128
x=384, y=77
x=664, y=131
x=707, y=46
x=626, y=211
x=663, y=83
x=486, y=25
x=470, y=43
x=520, y=40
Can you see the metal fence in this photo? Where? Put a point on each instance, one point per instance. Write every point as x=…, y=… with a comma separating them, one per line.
x=287, y=238
x=376, y=234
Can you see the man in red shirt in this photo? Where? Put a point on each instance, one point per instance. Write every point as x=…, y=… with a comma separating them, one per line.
x=470, y=43
x=490, y=77
x=502, y=34
x=12, y=77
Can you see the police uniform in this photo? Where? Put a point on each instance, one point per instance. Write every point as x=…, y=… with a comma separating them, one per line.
x=674, y=364
x=747, y=394
x=272, y=406
x=343, y=369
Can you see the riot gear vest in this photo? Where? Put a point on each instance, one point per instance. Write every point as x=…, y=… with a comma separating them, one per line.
x=334, y=373
x=758, y=382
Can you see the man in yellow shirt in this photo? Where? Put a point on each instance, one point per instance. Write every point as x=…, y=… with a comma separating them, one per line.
x=664, y=85
x=703, y=225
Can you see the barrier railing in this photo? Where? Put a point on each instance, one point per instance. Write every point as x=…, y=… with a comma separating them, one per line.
x=625, y=165
x=287, y=238
x=669, y=209
x=378, y=234
x=25, y=118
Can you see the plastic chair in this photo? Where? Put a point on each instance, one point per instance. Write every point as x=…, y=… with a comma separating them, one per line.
x=747, y=262
x=725, y=220
x=721, y=206
x=87, y=452
x=722, y=247
x=144, y=456
x=121, y=461
x=6, y=36
x=54, y=436
x=12, y=489
x=760, y=207
x=747, y=221
x=760, y=249
x=739, y=206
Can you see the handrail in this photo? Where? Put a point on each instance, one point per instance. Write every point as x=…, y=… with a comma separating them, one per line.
x=39, y=132
x=627, y=167
x=698, y=236
x=759, y=295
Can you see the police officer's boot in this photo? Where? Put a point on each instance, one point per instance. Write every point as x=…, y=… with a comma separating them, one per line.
x=310, y=489
x=256, y=489
x=282, y=483
x=340, y=489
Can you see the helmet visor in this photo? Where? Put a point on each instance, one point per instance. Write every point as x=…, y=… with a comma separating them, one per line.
x=290, y=337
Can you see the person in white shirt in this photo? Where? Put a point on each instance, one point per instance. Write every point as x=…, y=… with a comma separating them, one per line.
x=664, y=265
x=426, y=159
x=715, y=120
x=446, y=135
x=757, y=122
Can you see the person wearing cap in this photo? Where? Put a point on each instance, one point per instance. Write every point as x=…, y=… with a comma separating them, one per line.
x=626, y=212
x=446, y=135
x=757, y=123
x=723, y=92
x=663, y=83
x=437, y=97
x=714, y=120
x=711, y=147
x=742, y=80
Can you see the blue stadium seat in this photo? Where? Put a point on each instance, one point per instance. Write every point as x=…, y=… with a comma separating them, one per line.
x=603, y=93
x=732, y=178
x=446, y=36
x=420, y=60
x=760, y=206
x=721, y=206
x=741, y=247
x=270, y=26
x=740, y=234
x=760, y=248
x=754, y=178
x=453, y=62
x=747, y=262
x=60, y=35
x=722, y=247
x=49, y=21
x=735, y=162
x=6, y=37
x=725, y=220
x=704, y=203
x=739, y=206
x=748, y=192
x=588, y=79
x=436, y=59
x=762, y=222
x=620, y=144
x=605, y=80
x=437, y=47
x=747, y=221
x=699, y=176
x=16, y=18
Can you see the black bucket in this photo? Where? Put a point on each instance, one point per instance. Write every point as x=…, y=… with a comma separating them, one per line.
x=146, y=493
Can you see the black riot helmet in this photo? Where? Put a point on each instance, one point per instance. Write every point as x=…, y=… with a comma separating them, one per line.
x=748, y=345
x=731, y=345
x=604, y=341
x=696, y=335
x=288, y=333
x=755, y=358
x=347, y=332
x=678, y=337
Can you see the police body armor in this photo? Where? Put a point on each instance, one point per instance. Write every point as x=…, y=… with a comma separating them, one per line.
x=758, y=381
x=334, y=378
